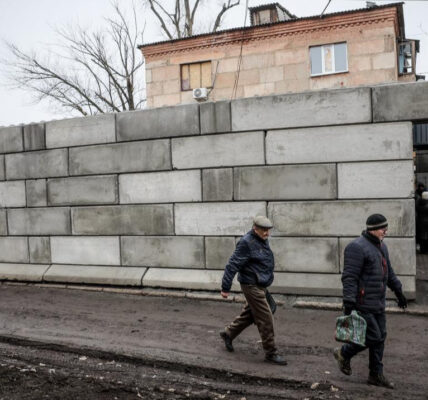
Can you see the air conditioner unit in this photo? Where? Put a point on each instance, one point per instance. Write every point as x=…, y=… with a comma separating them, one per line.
x=200, y=94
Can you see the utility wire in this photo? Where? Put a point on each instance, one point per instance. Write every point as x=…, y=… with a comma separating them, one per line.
x=235, y=84
x=325, y=8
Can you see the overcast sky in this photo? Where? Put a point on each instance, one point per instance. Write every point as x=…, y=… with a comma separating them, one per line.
x=31, y=23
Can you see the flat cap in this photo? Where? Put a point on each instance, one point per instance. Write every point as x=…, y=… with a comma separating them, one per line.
x=262, y=222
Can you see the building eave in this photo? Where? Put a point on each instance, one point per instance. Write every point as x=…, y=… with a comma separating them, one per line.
x=338, y=20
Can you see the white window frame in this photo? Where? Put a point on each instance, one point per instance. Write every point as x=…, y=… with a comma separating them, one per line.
x=333, y=59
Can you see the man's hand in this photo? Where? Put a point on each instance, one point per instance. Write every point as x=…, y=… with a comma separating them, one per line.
x=401, y=299
x=224, y=294
x=347, y=308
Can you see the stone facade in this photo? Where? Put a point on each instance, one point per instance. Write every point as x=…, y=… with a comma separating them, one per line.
x=276, y=57
x=167, y=210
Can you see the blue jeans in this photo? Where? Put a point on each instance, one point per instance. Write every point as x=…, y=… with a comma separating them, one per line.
x=375, y=341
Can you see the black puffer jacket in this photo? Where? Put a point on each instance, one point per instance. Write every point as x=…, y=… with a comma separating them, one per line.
x=365, y=275
x=253, y=261
x=422, y=219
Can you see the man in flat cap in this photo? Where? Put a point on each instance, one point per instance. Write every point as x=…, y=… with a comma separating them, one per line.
x=367, y=272
x=254, y=262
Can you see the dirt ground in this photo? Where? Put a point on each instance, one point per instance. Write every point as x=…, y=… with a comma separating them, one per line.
x=27, y=372
x=69, y=344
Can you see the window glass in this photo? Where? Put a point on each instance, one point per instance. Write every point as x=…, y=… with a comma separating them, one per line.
x=340, y=59
x=328, y=58
x=316, y=62
x=405, y=58
x=264, y=16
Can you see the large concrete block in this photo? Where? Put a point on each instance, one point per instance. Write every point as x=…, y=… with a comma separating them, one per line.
x=158, y=123
x=216, y=219
x=40, y=249
x=36, y=193
x=123, y=220
x=320, y=255
x=409, y=287
x=399, y=102
x=124, y=157
x=316, y=181
x=307, y=284
x=37, y=164
x=385, y=179
x=12, y=194
x=245, y=148
x=2, y=171
x=218, y=251
x=34, y=137
x=215, y=117
x=39, y=221
x=327, y=107
x=14, y=249
x=172, y=251
x=3, y=223
x=160, y=187
x=22, y=272
x=217, y=184
x=389, y=141
x=192, y=279
x=83, y=190
x=95, y=275
x=11, y=139
x=340, y=218
x=81, y=131
x=100, y=250
x=402, y=253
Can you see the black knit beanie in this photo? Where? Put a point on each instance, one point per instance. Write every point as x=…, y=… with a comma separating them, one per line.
x=376, y=221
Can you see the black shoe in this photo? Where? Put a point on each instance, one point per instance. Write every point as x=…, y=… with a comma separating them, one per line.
x=227, y=341
x=380, y=380
x=275, y=358
x=343, y=363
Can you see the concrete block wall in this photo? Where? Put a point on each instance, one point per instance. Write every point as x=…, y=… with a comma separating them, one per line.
x=160, y=197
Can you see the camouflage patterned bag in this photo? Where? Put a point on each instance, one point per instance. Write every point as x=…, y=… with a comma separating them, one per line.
x=351, y=329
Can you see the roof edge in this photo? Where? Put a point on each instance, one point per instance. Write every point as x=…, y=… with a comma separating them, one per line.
x=398, y=6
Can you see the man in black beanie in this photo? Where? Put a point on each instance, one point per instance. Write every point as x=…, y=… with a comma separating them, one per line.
x=367, y=272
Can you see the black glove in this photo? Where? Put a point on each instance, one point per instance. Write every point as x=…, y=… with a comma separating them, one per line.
x=348, y=308
x=401, y=299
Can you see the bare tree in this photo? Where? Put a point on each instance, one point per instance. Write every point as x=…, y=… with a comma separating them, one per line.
x=91, y=72
x=180, y=21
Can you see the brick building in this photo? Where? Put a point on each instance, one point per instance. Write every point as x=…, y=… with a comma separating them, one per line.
x=280, y=53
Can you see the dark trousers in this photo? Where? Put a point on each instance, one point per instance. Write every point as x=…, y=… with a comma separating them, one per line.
x=375, y=341
x=256, y=310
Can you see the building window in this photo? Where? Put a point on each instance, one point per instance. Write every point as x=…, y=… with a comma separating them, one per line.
x=196, y=75
x=406, y=57
x=329, y=59
x=264, y=17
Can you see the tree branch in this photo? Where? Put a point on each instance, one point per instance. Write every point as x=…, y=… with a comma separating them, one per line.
x=92, y=73
x=220, y=15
